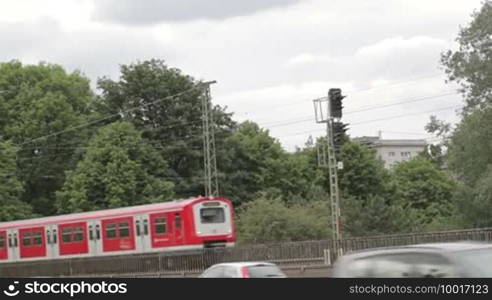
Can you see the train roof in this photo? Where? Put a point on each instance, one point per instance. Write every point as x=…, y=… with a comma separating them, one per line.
x=115, y=212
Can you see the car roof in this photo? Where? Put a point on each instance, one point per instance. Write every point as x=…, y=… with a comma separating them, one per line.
x=244, y=264
x=440, y=247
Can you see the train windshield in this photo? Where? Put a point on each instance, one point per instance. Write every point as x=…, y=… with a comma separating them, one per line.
x=212, y=215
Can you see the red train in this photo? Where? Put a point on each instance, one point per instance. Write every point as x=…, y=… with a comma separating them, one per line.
x=170, y=226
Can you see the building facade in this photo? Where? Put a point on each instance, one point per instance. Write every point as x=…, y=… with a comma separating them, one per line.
x=393, y=151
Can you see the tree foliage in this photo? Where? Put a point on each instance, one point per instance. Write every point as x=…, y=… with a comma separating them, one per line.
x=471, y=64
x=37, y=101
x=363, y=175
x=119, y=169
x=146, y=93
x=423, y=187
x=270, y=220
x=11, y=188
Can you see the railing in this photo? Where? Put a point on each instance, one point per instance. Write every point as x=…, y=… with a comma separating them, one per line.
x=307, y=253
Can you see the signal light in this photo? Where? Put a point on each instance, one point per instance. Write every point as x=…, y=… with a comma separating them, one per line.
x=339, y=130
x=335, y=102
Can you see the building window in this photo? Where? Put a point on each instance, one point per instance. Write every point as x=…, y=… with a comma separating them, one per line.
x=391, y=154
x=406, y=154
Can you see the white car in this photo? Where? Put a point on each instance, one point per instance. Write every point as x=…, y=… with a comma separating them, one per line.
x=243, y=270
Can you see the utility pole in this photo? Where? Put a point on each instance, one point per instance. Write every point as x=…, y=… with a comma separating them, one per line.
x=209, y=155
x=329, y=110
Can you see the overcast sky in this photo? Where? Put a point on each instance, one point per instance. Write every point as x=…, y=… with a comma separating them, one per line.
x=271, y=58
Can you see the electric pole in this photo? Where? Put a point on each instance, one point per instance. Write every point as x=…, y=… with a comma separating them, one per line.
x=329, y=110
x=209, y=155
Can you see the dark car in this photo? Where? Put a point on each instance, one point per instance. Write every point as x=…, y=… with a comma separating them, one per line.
x=460, y=259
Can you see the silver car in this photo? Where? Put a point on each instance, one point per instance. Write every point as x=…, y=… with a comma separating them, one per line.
x=460, y=259
x=243, y=270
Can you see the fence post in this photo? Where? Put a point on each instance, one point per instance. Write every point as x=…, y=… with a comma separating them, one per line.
x=327, y=257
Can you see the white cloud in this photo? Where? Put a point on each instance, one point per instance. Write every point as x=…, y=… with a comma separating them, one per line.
x=280, y=58
x=309, y=59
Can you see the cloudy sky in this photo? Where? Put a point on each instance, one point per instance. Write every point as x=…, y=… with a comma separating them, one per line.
x=271, y=58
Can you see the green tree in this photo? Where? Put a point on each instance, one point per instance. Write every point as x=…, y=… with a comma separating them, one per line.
x=247, y=163
x=475, y=202
x=363, y=175
x=119, y=169
x=376, y=215
x=146, y=92
x=11, y=189
x=37, y=101
x=470, y=146
x=471, y=64
x=422, y=186
x=267, y=220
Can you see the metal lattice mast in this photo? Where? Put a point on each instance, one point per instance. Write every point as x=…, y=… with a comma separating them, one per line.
x=209, y=155
x=334, y=192
x=326, y=158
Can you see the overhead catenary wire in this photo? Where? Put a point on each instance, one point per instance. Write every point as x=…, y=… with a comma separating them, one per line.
x=377, y=120
x=198, y=86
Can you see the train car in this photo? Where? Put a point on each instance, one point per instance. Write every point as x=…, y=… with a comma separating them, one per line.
x=170, y=226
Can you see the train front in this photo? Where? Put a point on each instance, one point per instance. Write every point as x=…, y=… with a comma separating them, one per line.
x=214, y=222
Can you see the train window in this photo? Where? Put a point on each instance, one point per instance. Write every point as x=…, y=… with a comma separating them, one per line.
x=212, y=215
x=98, y=232
x=78, y=234
x=2, y=242
x=91, y=234
x=124, y=229
x=11, y=243
x=54, y=236
x=137, y=227
x=67, y=235
x=146, y=227
x=111, y=231
x=26, y=239
x=37, y=238
x=177, y=220
x=48, y=236
x=160, y=225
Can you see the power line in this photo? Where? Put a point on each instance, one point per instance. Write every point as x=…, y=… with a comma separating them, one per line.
x=376, y=120
x=199, y=85
x=351, y=92
x=368, y=108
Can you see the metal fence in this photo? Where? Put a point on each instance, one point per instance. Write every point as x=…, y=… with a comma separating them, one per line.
x=289, y=254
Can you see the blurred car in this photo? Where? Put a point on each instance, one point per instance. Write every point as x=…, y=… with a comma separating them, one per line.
x=460, y=259
x=243, y=270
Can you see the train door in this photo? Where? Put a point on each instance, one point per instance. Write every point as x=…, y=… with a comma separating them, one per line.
x=52, y=241
x=73, y=238
x=161, y=230
x=13, y=243
x=178, y=228
x=4, y=246
x=32, y=242
x=118, y=234
x=94, y=228
x=142, y=233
